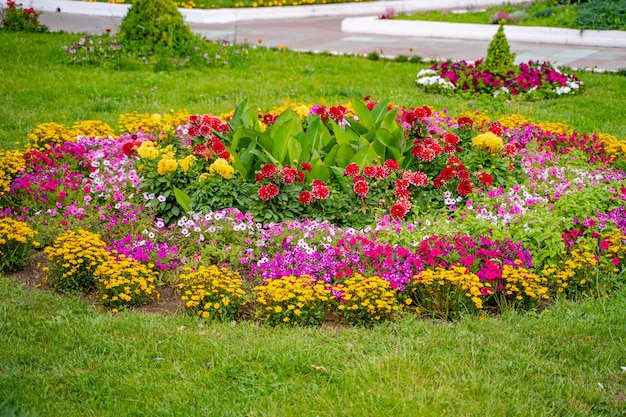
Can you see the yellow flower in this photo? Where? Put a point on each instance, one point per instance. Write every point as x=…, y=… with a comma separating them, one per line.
x=186, y=162
x=222, y=168
x=489, y=141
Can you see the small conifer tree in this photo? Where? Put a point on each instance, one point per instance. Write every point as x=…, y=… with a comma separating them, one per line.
x=499, y=59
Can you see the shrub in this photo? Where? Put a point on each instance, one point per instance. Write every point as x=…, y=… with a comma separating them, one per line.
x=155, y=24
x=124, y=281
x=499, y=59
x=74, y=258
x=17, y=19
x=298, y=300
x=212, y=292
x=366, y=300
x=16, y=243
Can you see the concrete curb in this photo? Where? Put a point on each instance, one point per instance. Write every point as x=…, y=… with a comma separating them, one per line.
x=266, y=13
x=375, y=26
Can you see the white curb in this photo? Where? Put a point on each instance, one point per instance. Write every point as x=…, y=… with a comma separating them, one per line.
x=266, y=13
x=375, y=26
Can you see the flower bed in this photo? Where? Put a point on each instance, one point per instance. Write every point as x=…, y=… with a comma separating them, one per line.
x=367, y=209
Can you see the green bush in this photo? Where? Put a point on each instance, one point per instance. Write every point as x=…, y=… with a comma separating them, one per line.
x=152, y=25
x=601, y=15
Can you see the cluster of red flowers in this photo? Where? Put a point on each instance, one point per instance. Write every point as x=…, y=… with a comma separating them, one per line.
x=284, y=175
x=207, y=126
x=337, y=113
x=455, y=169
x=130, y=147
x=319, y=191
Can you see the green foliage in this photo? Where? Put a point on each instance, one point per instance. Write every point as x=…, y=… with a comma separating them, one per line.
x=216, y=193
x=499, y=59
x=14, y=18
x=601, y=15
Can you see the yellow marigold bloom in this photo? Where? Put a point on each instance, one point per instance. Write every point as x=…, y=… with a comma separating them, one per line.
x=513, y=120
x=221, y=167
x=49, y=133
x=92, y=128
x=186, y=162
x=147, y=150
x=11, y=162
x=489, y=141
x=166, y=166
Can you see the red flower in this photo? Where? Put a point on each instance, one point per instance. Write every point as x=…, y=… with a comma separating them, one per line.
x=128, y=148
x=402, y=184
x=369, y=171
x=463, y=174
x=305, y=197
x=288, y=175
x=391, y=165
x=438, y=182
x=351, y=170
x=495, y=128
x=402, y=193
x=268, y=171
x=306, y=166
x=338, y=113
x=465, y=188
x=510, y=148
x=447, y=174
x=267, y=192
x=400, y=209
x=300, y=176
x=318, y=183
x=465, y=122
x=217, y=146
x=416, y=178
x=361, y=188
x=451, y=139
x=485, y=179
x=320, y=191
x=453, y=161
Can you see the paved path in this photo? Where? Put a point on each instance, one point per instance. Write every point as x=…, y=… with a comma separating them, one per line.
x=324, y=34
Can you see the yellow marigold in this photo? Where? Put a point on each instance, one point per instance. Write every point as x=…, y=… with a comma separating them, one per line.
x=47, y=134
x=365, y=300
x=186, y=162
x=16, y=242
x=553, y=127
x=11, y=162
x=513, y=120
x=92, y=128
x=612, y=145
x=221, y=167
x=124, y=281
x=488, y=141
x=212, y=291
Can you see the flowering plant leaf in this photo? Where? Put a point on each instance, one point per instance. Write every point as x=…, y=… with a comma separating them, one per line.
x=183, y=199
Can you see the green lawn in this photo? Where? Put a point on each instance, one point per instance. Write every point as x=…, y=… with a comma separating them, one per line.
x=61, y=356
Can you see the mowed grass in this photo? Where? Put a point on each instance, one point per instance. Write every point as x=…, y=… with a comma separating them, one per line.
x=61, y=356
x=40, y=87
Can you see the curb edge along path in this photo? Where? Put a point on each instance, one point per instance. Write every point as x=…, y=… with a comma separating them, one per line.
x=267, y=13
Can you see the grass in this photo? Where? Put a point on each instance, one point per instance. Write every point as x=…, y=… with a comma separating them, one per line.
x=60, y=356
x=41, y=87
x=63, y=356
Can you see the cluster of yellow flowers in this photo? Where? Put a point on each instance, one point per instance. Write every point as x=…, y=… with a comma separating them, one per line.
x=124, y=281
x=365, y=300
x=612, y=145
x=11, y=162
x=222, y=168
x=16, y=243
x=442, y=292
x=553, y=127
x=44, y=134
x=513, y=120
x=297, y=300
x=153, y=123
x=521, y=284
x=56, y=133
x=212, y=291
x=74, y=257
x=489, y=141
x=168, y=163
x=92, y=128
x=576, y=273
x=184, y=4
